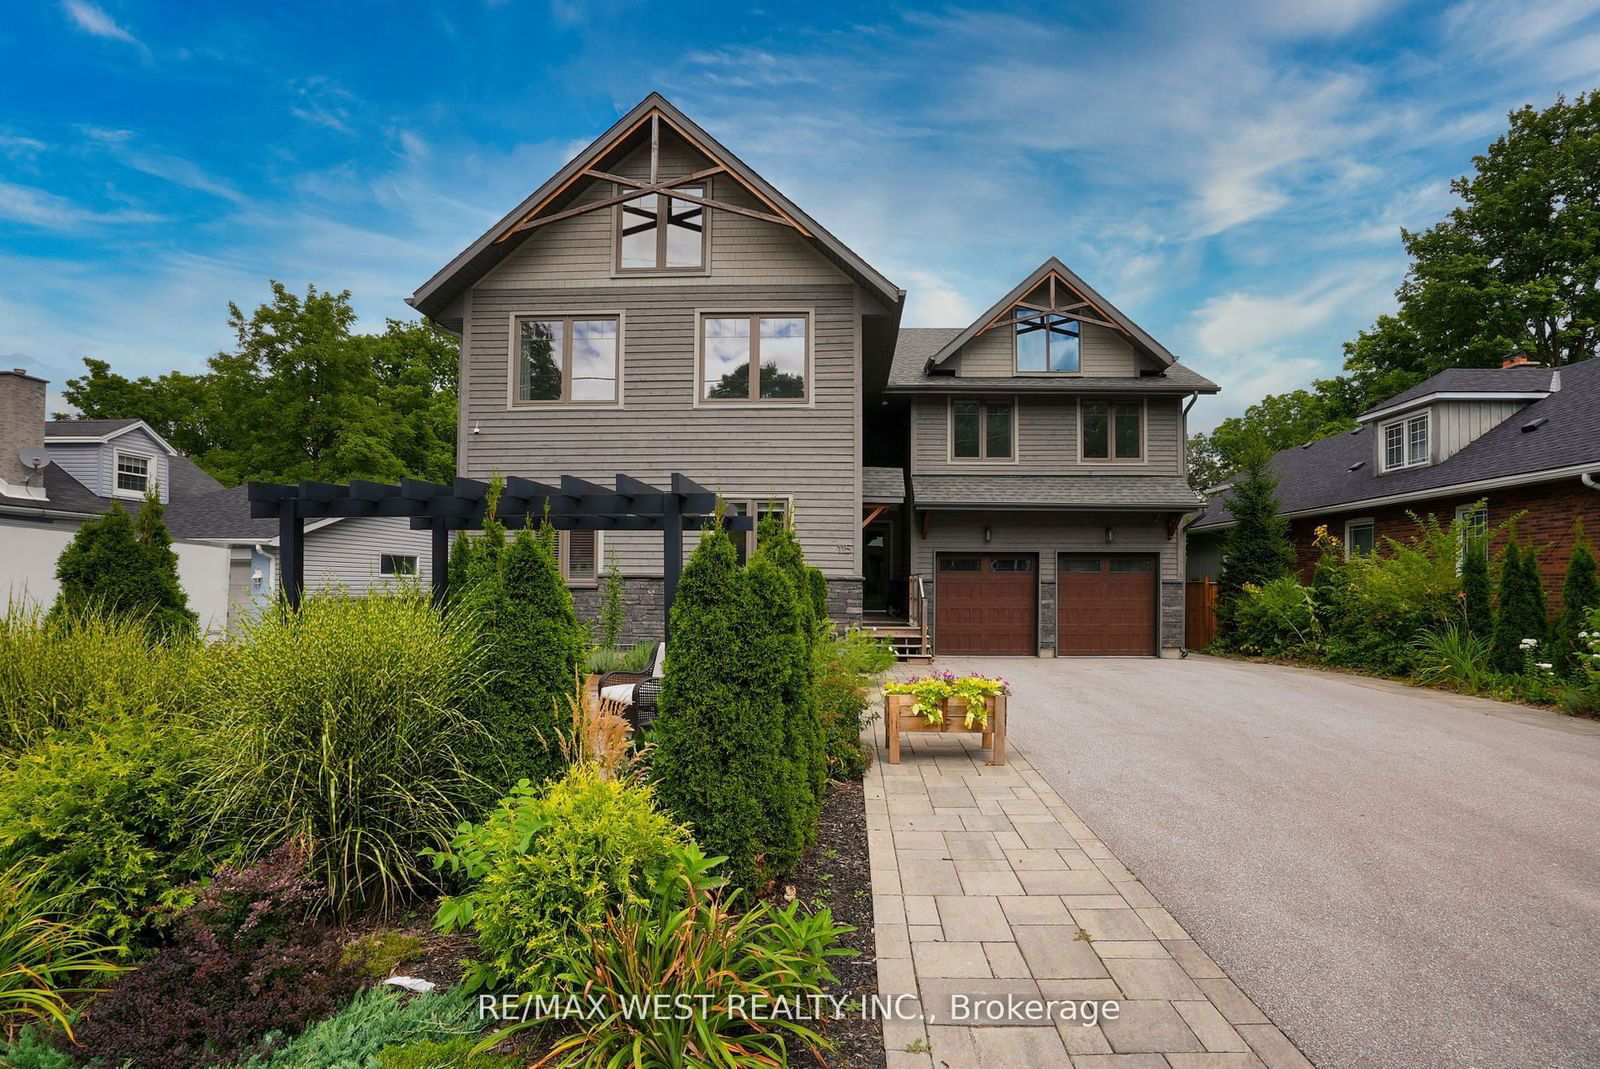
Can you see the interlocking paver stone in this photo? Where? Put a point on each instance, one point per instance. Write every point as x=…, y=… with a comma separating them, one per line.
x=987, y=886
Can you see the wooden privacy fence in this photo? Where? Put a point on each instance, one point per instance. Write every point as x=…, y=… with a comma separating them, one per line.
x=1200, y=613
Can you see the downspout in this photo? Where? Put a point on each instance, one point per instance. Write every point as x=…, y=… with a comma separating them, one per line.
x=1587, y=479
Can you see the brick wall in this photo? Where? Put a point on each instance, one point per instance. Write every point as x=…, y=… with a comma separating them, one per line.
x=1549, y=512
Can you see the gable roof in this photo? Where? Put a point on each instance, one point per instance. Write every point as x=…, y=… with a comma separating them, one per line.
x=917, y=345
x=99, y=430
x=1317, y=477
x=1143, y=342
x=1476, y=383
x=473, y=262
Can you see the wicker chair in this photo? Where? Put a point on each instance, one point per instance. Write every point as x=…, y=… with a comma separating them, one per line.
x=636, y=692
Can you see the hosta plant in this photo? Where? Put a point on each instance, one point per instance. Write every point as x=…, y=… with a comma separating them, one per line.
x=932, y=692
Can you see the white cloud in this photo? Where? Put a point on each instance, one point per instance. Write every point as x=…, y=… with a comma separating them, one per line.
x=933, y=302
x=51, y=211
x=94, y=20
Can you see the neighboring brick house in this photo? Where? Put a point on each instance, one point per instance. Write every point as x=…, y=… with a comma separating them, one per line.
x=1523, y=439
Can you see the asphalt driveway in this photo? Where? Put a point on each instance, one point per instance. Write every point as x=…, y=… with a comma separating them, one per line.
x=1398, y=877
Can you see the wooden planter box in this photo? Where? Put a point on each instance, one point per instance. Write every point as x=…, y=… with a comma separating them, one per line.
x=898, y=717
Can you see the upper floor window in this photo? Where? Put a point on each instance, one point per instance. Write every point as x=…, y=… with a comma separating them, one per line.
x=1113, y=430
x=982, y=430
x=777, y=345
x=133, y=473
x=571, y=358
x=1047, y=343
x=656, y=232
x=1405, y=442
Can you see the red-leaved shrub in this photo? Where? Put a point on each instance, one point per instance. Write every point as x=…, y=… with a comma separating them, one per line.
x=249, y=957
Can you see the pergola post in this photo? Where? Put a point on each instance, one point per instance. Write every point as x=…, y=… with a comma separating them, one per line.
x=671, y=554
x=291, y=551
x=440, y=553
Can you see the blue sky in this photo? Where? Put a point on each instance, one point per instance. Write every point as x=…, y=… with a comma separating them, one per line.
x=1234, y=176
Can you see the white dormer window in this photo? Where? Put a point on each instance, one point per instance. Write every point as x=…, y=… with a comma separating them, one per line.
x=1405, y=442
x=133, y=474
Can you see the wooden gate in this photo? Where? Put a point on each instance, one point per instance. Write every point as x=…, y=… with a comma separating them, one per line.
x=1199, y=613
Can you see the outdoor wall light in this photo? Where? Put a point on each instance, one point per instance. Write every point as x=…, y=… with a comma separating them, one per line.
x=988, y=534
x=1109, y=536
x=476, y=427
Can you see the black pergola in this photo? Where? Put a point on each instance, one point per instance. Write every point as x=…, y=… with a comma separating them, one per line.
x=573, y=505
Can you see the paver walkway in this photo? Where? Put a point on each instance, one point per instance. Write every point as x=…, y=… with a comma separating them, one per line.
x=987, y=885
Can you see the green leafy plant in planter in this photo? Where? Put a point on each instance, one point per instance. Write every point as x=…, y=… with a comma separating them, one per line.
x=933, y=691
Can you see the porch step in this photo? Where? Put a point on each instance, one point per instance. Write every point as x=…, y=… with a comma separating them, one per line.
x=904, y=639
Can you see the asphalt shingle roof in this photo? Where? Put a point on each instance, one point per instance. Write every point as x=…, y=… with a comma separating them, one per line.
x=917, y=344
x=1319, y=477
x=85, y=428
x=883, y=485
x=1476, y=380
x=1155, y=492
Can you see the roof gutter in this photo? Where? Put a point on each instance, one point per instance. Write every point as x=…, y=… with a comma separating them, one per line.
x=1454, y=395
x=1013, y=506
x=1583, y=471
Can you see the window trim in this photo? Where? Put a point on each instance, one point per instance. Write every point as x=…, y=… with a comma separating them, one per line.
x=1359, y=521
x=983, y=404
x=1404, y=422
x=563, y=546
x=414, y=558
x=754, y=314
x=1046, y=374
x=1461, y=513
x=753, y=504
x=1111, y=432
x=615, y=215
x=514, y=353
x=117, y=453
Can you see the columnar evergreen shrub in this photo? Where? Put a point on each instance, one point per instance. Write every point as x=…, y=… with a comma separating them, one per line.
x=346, y=722
x=611, y=608
x=805, y=744
x=1476, y=608
x=1256, y=548
x=108, y=813
x=725, y=757
x=1521, y=612
x=126, y=567
x=1580, y=594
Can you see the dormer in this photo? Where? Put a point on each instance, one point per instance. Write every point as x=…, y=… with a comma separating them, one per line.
x=112, y=458
x=1436, y=419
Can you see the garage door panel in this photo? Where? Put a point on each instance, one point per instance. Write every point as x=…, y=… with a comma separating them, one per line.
x=1106, y=605
x=986, y=603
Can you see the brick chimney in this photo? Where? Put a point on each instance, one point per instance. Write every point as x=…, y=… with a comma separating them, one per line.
x=1518, y=360
x=21, y=427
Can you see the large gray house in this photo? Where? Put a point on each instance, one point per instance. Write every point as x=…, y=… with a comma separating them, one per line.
x=657, y=306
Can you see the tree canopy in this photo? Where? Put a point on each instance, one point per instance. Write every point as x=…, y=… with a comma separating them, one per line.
x=301, y=396
x=1514, y=269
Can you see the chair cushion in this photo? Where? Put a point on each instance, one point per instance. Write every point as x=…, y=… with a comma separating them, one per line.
x=621, y=693
x=659, y=669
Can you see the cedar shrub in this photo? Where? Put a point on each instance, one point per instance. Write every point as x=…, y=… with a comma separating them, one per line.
x=123, y=566
x=1521, y=610
x=1475, y=587
x=1256, y=549
x=1580, y=594
x=804, y=742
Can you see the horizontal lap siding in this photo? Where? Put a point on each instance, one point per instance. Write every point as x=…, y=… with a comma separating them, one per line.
x=1046, y=441
x=805, y=452
x=345, y=554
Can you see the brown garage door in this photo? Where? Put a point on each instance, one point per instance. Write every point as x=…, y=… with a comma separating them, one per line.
x=986, y=604
x=1106, y=605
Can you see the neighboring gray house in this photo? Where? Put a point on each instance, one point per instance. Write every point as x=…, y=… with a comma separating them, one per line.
x=1019, y=482
x=56, y=474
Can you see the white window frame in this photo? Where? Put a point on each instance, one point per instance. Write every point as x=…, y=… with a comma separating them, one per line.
x=514, y=354
x=149, y=472
x=983, y=404
x=563, y=561
x=1404, y=423
x=1349, y=543
x=1111, y=432
x=416, y=565
x=736, y=311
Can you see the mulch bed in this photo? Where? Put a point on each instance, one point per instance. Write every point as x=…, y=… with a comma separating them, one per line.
x=834, y=873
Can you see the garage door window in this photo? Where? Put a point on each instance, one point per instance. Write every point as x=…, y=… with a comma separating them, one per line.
x=1132, y=566
x=960, y=564
x=1011, y=564
x=1070, y=565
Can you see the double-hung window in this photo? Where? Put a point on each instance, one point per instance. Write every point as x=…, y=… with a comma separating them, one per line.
x=133, y=473
x=1405, y=442
x=982, y=430
x=1113, y=430
x=1047, y=344
x=566, y=358
x=659, y=232
x=775, y=345
x=579, y=553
